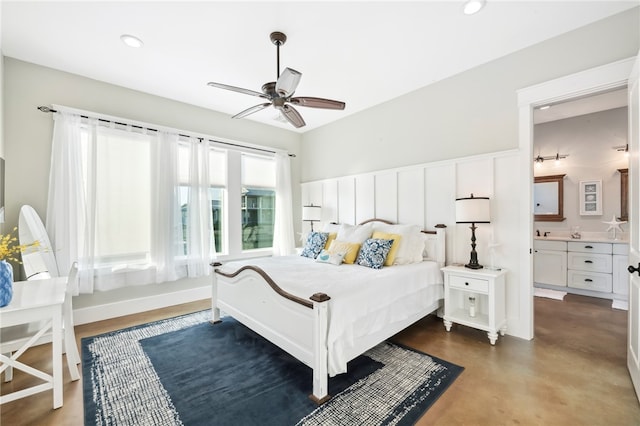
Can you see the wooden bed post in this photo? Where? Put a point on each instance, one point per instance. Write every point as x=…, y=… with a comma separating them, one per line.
x=320, y=367
x=215, y=311
x=441, y=256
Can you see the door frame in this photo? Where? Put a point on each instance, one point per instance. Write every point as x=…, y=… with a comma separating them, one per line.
x=606, y=77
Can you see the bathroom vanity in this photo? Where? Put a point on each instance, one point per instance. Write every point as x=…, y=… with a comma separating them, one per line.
x=591, y=266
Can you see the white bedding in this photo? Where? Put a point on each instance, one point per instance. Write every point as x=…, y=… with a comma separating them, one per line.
x=363, y=300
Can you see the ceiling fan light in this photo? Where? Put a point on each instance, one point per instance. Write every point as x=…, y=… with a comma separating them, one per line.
x=131, y=41
x=473, y=6
x=288, y=81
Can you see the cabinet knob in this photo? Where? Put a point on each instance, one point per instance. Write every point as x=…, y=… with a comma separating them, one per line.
x=588, y=247
x=633, y=269
x=466, y=283
x=588, y=261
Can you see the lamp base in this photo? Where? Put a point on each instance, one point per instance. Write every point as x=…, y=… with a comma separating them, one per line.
x=473, y=266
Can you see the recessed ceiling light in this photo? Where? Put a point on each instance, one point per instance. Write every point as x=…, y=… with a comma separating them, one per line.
x=131, y=41
x=542, y=108
x=473, y=6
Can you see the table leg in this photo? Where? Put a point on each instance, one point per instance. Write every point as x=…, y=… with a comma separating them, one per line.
x=56, y=348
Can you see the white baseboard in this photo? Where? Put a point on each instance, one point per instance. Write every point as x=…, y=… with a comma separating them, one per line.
x=103, y=311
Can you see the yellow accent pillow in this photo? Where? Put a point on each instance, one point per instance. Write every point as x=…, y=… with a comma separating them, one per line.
x=394, y=247
x=332, y=236
x=351, y=250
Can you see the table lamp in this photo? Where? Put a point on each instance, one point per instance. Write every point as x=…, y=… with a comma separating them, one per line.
x=473, y=210
x=311, y=214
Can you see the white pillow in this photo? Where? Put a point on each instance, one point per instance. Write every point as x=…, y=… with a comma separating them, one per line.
x=410, y=241
x=355, y=234
x=332, y=228
x=328, y=257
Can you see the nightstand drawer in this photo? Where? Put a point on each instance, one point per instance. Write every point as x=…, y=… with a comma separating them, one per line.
x=473, y=284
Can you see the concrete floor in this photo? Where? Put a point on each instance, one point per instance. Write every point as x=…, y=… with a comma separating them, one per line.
x=572, y=373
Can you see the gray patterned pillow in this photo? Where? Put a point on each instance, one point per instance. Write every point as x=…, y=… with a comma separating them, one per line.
x=374, y=252
x=315, y=244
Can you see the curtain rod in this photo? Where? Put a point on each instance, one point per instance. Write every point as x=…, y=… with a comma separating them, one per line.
x=43, y=108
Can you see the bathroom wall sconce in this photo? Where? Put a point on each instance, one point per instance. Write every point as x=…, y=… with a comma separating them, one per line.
x=540, y=159
x=622, y=148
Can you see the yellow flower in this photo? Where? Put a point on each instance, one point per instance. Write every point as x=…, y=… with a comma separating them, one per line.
x=9, y=247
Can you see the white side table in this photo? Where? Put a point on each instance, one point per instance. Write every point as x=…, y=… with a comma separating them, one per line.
x=475, y=298
x=35, y=301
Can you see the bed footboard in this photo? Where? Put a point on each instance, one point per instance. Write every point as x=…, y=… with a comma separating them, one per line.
x=298, y=326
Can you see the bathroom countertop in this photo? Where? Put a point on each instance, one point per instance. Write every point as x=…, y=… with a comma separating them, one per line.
x=622, y=239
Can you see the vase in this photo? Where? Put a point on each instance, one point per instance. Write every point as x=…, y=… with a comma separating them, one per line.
x=6, y=283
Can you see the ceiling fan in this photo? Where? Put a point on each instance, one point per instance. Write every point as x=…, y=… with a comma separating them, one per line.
x=280, y=93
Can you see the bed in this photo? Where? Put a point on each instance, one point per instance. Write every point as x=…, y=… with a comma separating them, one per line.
x=325, y=314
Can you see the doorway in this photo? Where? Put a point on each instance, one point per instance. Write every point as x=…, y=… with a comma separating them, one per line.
x=581, y=144
x=596, y=80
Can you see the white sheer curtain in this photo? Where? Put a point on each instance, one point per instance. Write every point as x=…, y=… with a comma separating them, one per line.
x=89, y=210
x=200, y=242
x=165, y=207
x=70, y=211
x=283, y=235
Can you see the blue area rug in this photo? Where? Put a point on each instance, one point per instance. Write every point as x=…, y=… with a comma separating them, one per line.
x=185, y=371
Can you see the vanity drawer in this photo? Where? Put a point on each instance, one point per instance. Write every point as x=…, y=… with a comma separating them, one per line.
x=590, y=281
x=472, y=284
x=550, y=245
x=603, y=248
x=590, y=262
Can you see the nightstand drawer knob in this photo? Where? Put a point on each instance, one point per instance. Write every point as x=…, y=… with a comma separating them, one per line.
x=466, y=283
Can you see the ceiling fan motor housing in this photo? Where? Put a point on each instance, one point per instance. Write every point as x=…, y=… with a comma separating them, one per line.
x=269, y=89
x=278, y=38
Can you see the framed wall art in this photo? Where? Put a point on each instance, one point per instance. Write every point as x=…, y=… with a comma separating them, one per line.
x=590, y=197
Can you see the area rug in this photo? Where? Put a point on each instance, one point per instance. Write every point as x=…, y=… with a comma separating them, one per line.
x=186, y=371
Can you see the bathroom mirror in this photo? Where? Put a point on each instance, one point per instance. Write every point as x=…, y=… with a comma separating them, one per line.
x=548, y=195
x=38, y=262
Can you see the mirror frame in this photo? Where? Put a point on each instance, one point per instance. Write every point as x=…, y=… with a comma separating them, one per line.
x=624, y=194
x=559, y=217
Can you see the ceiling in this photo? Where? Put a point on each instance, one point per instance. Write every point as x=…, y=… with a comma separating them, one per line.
x=580, y=106
x=360, y=52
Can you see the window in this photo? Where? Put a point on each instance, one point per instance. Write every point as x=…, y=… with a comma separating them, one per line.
x=137, y=205
x=258, y=201
x=217, y=181
x=123, y=187
x=122, y=190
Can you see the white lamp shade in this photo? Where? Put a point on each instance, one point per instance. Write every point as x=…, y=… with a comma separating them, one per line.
x=311, y=213
x=473, y=210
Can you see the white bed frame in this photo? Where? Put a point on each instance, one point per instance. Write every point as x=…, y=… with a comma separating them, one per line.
x=298, y=326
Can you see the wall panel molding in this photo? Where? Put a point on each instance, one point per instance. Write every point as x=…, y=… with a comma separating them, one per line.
x=424, y=194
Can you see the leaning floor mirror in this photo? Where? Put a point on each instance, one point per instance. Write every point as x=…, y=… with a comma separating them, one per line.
x=39, y=262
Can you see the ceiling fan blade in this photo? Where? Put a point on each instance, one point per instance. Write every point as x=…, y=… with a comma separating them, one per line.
x=237, y=89
x=287, y=82
x=292, y=116
x=310, y=102
x=251, y=110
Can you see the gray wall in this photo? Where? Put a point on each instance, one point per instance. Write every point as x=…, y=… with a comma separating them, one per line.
x=28, y=131
x=471, y=113
x=588, y=140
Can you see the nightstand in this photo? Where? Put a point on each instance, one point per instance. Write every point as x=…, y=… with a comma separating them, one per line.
x=475, y=298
